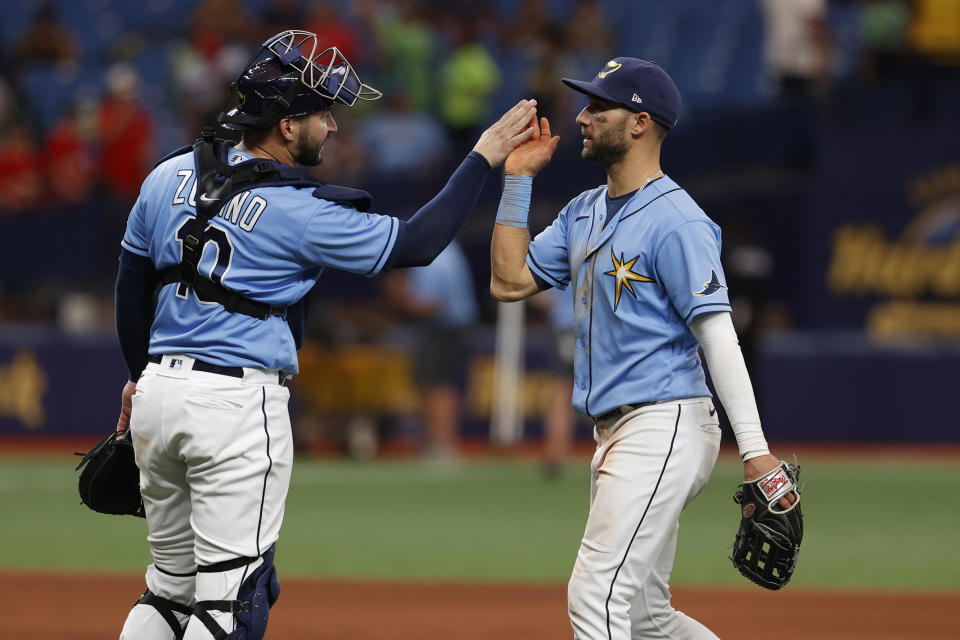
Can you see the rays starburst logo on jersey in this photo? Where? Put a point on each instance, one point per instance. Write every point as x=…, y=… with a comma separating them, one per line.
x=623, y=274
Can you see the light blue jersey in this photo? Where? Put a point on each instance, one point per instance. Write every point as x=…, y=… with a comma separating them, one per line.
x=269, y=244
x=560, y=312
x=639, y=280
x=447, y=283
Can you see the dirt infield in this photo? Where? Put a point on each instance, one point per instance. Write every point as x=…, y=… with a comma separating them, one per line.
x=37, y=606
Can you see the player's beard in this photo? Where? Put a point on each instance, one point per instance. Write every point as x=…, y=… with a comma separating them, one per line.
x=608, y=149
x=307, y=150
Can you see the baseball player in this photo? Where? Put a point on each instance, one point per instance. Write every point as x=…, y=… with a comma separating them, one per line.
x=643, y=260
x=210, y=313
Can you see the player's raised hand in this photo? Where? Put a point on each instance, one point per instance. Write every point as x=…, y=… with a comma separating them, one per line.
x=512, y=129
x=534, y=154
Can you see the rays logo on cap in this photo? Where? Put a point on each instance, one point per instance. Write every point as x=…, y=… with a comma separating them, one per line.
x=612, y=66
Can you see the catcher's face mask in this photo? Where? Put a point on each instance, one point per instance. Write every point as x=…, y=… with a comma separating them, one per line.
x=290, y=77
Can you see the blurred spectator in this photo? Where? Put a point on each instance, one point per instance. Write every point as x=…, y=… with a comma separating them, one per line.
x=407, y=44
x=126, y=134
x=332, y=30
x=585, y=43
x=546, y=54
x=524, y=27
x=934, y=37
x=228, y=19
x=206, y=60
x=439, y=300
x=797, y=47
x=67, y=158
x=8, y=104
x=749, y=270
x=468, y=77
x=46, y=39
x=534, y=45
x=280, y=16
x=588, y=34
x=883, y=32
x=934, y=32
x=558, y=416
x=346, y=160
x=403, y=143
x=21, y=176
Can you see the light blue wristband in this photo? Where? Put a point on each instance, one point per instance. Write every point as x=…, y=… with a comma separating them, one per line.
x=515, y=200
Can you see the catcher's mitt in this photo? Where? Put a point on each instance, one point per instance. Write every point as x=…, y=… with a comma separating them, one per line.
x=768, y=541
x=110, y=480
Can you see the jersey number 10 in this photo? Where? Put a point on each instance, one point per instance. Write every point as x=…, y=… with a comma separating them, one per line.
x=218, y=238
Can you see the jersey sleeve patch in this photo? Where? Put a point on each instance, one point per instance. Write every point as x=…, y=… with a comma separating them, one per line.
x=711, y=286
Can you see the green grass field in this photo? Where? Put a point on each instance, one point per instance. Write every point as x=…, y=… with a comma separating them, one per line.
x=869, y=524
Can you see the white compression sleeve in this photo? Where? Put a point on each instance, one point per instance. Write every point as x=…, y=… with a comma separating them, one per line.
x=715, y=333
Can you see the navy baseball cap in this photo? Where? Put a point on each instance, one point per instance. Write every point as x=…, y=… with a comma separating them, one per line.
x=637, y=85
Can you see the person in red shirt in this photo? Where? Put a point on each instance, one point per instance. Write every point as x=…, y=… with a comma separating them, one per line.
x=69, y=163
x=20, y=172
x=126, y=134
x=333, y=31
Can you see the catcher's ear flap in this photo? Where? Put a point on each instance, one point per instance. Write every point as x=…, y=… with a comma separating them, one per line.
x=110, y=480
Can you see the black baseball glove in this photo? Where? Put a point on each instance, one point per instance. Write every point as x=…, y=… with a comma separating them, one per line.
x=110, y=480
x=768, y=541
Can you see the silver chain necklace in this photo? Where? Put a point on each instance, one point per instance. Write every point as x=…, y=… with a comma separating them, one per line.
x=651, y=179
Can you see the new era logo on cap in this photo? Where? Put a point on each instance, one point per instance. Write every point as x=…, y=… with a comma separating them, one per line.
x=637, y=99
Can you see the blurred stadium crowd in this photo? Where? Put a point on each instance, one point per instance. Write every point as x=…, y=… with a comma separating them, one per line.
x=93, y=92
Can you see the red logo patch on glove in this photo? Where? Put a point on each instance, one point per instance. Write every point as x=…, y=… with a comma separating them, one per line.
x=771, y=485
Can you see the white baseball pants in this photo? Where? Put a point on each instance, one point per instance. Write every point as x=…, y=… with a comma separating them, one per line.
x=647, y=467
x=215, y=454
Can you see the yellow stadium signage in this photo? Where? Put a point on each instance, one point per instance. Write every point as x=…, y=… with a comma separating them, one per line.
x=22, y=385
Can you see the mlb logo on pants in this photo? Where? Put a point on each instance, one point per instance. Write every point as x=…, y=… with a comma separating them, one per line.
x=176, y=363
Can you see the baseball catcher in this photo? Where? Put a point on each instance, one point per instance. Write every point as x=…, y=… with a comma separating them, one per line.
x=210, y=334
x=768, y=540
x=109, y=480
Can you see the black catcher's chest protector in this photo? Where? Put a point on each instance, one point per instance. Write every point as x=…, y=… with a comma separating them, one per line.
x=217, y=182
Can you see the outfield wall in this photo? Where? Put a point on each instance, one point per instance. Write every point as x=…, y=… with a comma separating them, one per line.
x=812, y=387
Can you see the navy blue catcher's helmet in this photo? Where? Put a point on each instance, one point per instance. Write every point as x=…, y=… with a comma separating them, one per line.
x=288, y=78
